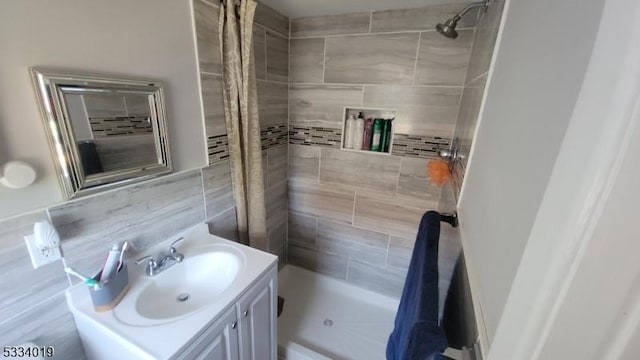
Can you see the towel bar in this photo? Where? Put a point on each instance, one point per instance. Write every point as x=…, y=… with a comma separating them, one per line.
x=451, y=219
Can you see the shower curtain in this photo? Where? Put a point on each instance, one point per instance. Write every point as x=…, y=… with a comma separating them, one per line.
x=243, y=125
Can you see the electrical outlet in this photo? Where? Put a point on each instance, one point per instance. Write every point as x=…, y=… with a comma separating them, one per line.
x=41, y=257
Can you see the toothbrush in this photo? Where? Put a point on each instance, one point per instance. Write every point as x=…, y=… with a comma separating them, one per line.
x=87, y=280
x=125, y=246
x=111, y=264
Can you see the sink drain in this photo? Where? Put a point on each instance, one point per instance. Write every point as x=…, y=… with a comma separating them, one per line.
x=328, y=322
x=182, y=297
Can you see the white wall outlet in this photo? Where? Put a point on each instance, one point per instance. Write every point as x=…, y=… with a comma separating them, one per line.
x=40, y=257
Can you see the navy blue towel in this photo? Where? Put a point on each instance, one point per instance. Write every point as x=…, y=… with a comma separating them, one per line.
x=416, y=334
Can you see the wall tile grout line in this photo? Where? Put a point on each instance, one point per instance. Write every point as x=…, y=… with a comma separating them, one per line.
x=363, y=84
x=324, y=59
x=286, y=239
x=373, y=33
x=353, y=213
x=476, y=78
x=415, y=64
x=204, y=194
x=221, y=212
x=211, y=73
x=271, y=30
x=319, y=164
x=273, y=81
x=266, y=67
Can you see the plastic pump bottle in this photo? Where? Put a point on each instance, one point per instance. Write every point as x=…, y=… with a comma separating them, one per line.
x=349, y=132
x=358, y=134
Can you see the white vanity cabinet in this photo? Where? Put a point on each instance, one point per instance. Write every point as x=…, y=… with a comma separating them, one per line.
x=219, y=303
x=257, y=314
x=219, y=341
x=246, y=331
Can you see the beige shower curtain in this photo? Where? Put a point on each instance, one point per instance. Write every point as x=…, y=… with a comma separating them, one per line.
x=243, y=125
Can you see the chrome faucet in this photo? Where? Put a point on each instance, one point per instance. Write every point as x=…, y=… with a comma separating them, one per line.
x=155, y=267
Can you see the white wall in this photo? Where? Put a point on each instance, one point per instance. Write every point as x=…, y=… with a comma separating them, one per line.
x=543, y=50
x=576, y=293
x=143, y=38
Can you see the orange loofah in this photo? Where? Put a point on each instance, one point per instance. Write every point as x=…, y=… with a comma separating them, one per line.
x=438, y=171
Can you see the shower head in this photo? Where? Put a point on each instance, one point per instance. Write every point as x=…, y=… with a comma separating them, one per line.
x=448, y=29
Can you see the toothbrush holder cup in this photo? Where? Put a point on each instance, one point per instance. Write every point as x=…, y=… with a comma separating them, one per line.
x=107, y=296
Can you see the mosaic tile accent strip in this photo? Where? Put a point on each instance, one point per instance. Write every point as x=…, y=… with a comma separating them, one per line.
x=317, y=136
x=420, y=146
x=274, y=135
x=217, y=148
x=119, y=126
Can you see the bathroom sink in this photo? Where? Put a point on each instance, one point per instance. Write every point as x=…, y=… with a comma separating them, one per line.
x=162, y=316
x=181, y=290
x=188, y=286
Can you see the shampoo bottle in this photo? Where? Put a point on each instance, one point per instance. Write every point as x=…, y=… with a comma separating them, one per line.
x=376, y=133
x=386, y=135
x=366, y=138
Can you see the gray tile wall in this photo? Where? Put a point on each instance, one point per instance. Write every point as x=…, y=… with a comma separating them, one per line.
x=350, y=213
x=271, y=56
x=354, y=215
x=33, y=307
x=480, y=57
x=384, y=59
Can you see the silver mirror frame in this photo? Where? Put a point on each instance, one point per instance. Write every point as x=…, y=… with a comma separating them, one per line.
x=62, y=142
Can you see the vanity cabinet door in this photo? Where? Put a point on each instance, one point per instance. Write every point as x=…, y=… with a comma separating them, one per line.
x=219, y=342
x=257, y=314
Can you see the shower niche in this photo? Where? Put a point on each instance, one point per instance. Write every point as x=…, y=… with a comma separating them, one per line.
x=368, y=130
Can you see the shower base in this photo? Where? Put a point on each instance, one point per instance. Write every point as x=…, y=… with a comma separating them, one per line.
x=325, y=318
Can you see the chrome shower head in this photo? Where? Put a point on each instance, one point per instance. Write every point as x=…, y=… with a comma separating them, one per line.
x=448, y=29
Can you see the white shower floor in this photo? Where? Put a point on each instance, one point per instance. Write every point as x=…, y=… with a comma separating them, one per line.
x=331, y=317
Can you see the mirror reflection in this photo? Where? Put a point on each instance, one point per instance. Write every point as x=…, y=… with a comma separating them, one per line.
x=112, y=131
x=103, y=132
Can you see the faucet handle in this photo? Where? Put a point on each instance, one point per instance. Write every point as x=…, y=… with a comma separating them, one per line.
x=172, y=249
x=148, y=259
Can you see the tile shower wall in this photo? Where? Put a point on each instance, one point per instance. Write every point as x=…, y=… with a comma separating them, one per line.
x=481, y=53
x=33, y=306
x=354, y=215
x=271, y=51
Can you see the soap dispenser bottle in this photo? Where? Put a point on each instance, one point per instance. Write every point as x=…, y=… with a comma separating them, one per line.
x=358, y=134
x=349, y=131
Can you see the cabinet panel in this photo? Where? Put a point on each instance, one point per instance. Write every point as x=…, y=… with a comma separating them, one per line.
x=256, y=312
x=219, y=342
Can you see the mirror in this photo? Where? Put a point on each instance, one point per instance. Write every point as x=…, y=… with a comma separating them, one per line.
x=103, y=132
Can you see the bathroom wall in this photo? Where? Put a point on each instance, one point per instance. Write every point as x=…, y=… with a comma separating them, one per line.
x=271, y=51
x=484, y=40
x=353, y=215
x=33, y=306
x=530, y=97
x=117, y=37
